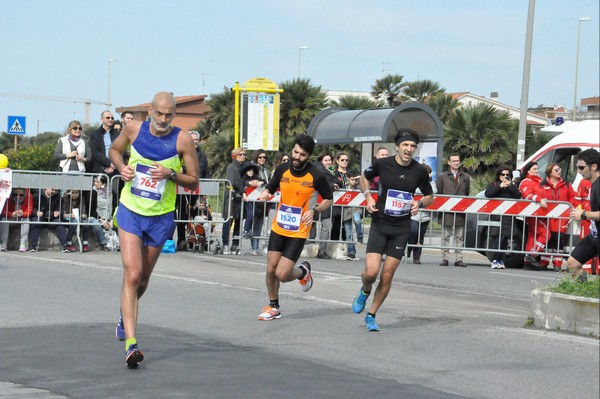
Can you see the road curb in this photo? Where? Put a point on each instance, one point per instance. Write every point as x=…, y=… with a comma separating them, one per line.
x=552, y=311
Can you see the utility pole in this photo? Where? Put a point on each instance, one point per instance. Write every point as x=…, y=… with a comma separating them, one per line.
x=525, y=86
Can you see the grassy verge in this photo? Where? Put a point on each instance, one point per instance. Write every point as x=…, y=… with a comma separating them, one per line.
x=569, y=286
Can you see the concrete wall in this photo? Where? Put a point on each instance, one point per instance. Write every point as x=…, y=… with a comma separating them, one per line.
x=565, y=312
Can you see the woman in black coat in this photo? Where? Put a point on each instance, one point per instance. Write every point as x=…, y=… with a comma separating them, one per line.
x=502, y=187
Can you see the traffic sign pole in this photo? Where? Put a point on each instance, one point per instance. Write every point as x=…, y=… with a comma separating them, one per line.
x=16, y=126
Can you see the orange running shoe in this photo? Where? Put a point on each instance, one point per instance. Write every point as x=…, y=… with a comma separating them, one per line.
x=269, y=313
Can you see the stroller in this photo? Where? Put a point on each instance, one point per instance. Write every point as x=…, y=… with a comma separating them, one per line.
x=112, y=240
x=197, y=238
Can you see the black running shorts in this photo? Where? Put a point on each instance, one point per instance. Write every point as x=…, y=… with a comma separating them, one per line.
x=290, y=247
x=389, y=240
x=586, y=249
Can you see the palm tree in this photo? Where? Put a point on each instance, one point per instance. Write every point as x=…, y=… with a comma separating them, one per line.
x=534, y=141
x=220, y=116
x=355, y=102
x=389, y=88
x=484, y=137
x=443, y=105
x=422, y=90
x=285, y=145
x=218, y=151
x=300, y=102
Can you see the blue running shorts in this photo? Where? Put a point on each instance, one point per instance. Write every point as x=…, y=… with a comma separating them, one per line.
x=153, y=230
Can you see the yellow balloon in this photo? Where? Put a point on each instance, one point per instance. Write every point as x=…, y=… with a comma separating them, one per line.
x=3, y=161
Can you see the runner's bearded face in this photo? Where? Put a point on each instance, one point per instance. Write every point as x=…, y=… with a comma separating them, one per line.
x=162, y=118
x=299, y=158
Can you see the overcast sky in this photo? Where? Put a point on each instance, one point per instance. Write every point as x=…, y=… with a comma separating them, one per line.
x=61, y=48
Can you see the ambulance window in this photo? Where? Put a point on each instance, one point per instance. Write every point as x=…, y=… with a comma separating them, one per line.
x=543, y=163
x=567, y=159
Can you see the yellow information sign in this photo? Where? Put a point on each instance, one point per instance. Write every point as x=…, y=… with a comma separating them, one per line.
x=257, y=106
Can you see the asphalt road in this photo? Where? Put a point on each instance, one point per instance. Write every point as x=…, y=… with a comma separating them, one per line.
x=447, y=332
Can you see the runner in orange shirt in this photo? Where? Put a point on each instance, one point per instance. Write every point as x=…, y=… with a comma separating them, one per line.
x=298, y=181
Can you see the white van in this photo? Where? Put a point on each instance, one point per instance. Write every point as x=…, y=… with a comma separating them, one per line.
x=564, y=148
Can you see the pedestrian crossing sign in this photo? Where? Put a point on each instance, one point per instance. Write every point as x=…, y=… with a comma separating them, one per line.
x=16, y=125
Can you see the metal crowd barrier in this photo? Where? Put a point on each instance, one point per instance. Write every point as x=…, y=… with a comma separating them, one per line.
x=483, y=217
x=344, y=201
x=210, y=191
x=203, y=233
x=36, y=182
x=192, y=217
x=487, y=218
x=484, y=220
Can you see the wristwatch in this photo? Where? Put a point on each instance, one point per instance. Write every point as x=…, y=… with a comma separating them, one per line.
x=583, y=216
x=173, y=175
x=315, y=211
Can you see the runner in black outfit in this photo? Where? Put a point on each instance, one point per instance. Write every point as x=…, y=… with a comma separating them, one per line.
x=588, y=165
x=399, y=177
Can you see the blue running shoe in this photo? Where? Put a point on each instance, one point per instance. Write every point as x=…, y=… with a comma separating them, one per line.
x=358, y=304
x=134, y=356
x=370, y=322
x=120, y=330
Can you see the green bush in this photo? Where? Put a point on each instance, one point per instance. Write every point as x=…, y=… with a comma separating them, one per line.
x=33, y=157
x=570, y=286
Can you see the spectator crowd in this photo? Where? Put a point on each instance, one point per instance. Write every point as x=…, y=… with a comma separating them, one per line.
x=71, y=215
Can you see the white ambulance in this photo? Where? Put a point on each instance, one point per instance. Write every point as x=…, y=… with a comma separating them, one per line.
x=571, y=138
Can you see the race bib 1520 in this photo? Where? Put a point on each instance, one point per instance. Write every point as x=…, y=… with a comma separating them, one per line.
x=288, y=217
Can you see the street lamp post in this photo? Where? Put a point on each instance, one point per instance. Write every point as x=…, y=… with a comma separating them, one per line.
x=203, y=75
x=579, y=21
x=300, y=57
x=525, y=83
x=108, y=104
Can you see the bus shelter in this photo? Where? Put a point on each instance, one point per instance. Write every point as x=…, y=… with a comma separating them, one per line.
x=374, y=128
